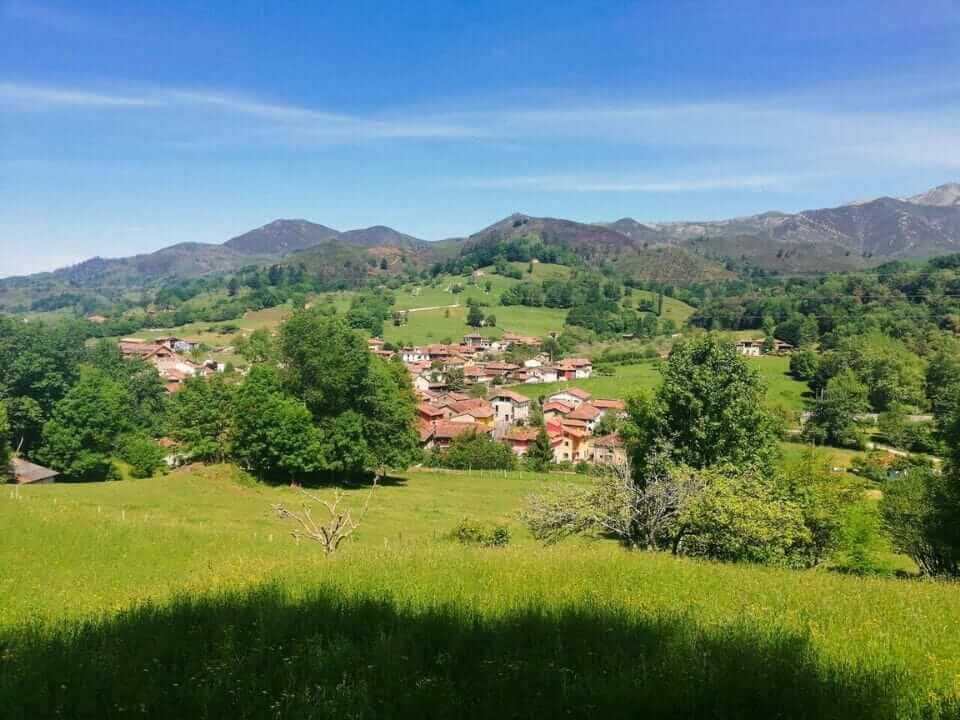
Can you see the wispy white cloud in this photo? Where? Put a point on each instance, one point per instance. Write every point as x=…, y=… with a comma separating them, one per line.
x=633, y=184
x=806, y=130
x=302, y=122
x=16, y=96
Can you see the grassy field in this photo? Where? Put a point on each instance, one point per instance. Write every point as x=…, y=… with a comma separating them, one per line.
x=627, y=380
x=405, y=622
x=448, y=320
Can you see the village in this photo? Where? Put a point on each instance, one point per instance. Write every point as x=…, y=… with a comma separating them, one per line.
x=480, y=402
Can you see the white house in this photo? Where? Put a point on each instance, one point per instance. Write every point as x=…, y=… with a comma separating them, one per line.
x=573, y=397
x=414, y=354
x=750, y=348
x=510, y=407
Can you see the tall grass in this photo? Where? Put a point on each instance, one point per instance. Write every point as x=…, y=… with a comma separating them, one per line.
x=265, y=653
x=183, y=597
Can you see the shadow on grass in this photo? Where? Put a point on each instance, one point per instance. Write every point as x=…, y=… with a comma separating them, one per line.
x=341, y=480
x=261, y=654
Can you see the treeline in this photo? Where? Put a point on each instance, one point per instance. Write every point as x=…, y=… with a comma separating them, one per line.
x=902, y=300
x=318, y=402
x=75, y=407
x=498, y=249
x=327, y=405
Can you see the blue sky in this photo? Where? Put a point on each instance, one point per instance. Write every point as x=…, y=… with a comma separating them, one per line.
x=125, y=127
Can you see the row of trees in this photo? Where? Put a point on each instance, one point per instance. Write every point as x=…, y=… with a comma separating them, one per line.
x=319, y=402
x=315, y=401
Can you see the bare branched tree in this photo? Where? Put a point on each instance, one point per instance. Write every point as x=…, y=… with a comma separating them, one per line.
x=640, y=512
x=340, y=523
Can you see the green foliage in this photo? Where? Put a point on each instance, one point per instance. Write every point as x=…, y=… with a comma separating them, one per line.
x=540, y=454
x=708, y=410
x=834, y=418
x=200, y=416
x=474, y=316
x=804, y=365
x=474, y=532
x=862, y=549
x=86, y=426
x=921, y=511
x=943, y=386
x=5, y=450
x=741, y=517
x=477, y=451
x=142, y=454
x=368, y=311
x=38, y=364
x=364, y=406
x=258, y=347
x=273, y=435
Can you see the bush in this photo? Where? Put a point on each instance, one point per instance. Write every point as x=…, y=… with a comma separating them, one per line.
x=143, y=456
x=478, y=451
x=473, y=532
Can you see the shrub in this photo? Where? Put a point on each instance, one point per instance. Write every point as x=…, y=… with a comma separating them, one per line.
x=473, y=532
x=142, y=454
x=478, y=451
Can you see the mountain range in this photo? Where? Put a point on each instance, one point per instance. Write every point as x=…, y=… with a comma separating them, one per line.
x=847, y=237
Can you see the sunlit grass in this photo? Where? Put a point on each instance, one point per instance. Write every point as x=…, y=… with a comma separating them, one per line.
x=77, y=551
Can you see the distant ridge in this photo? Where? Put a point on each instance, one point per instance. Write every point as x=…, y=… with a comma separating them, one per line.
x=281, y=237
x=847, y=237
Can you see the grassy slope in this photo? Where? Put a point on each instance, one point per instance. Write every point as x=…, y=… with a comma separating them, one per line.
x=629, y=380
x=683, y=631
x=427, y=326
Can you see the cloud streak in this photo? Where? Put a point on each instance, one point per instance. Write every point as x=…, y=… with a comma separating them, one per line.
x=807, y=131
x=632, y=184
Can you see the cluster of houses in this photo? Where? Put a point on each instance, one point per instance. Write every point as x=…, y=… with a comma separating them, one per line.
x=165, y=355
x=571, y=417
x=474, y=356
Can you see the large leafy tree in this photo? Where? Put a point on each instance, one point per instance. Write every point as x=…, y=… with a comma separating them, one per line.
x=388, y=412
x=943, y=387
x=326, y=363
x=273, y=433
x=834, y=419
x=709, y=410
x=258, y=347
x=141, y=381
x=921, y=510
x=200, y=416
x=364, y=406
x=87, y=425
x=38, y=365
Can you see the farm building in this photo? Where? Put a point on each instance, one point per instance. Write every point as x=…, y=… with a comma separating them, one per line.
x=22, y=472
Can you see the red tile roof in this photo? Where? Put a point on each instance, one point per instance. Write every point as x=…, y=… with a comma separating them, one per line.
x=448, y=430
x=612, y=440
x=609, y=404
x=586, y=411
x=560, y=407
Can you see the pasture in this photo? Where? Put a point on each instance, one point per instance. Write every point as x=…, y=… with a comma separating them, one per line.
x=627, y=380
x=184, y=596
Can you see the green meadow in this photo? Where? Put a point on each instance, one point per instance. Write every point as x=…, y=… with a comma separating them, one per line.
x=435, y=312
x=184, y=596
x=626, y=380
